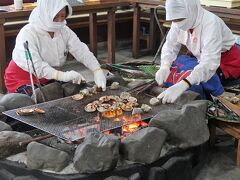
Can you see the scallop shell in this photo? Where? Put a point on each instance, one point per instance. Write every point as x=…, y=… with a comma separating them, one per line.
x=132, y=99
x=146, y=108
x=38, y=110
x=84, y=92
x=77, y=97
x=103, y=107
x=114, y=86
x=137, y=111
x=90, y=107
x=104, y=99
x=127, y=107
x=115, y=98
x=125, y=95
x=154, y=101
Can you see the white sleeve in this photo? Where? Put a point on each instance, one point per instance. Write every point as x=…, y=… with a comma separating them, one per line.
x=211, y=42
x=43, y=69
x=81, y=51
x=171, y=47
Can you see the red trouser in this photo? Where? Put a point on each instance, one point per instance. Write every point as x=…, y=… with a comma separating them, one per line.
x=230, y=63
x=15, y=77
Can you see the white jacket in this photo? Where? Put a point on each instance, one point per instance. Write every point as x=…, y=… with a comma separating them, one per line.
x=50, y=53
x=209, y=39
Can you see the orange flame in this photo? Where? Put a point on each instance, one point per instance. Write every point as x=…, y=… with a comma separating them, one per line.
x=111, y=114
x=133, y=121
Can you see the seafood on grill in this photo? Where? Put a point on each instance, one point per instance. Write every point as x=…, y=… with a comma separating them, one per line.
x=85, y=92
x=78, y=97
x=146, y=108
x=103, y=107
x=29, y=111
x=125, y=95
x=90, y=107
x=127, y=107
x=137, y=111
x=114, y=86
x=126, y=102
x=154, y=101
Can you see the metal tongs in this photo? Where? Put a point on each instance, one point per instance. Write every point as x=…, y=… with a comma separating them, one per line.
x=29, y=58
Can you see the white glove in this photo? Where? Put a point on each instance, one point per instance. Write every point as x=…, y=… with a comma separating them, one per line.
x=172, y=93
x=73, y=76
x=100, y=78
x=162, y=74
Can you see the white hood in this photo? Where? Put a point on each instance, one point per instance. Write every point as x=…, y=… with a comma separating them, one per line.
x=43, y=15
x=189, y=9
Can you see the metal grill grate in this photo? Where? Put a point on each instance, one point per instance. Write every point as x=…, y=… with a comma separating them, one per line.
x=67, y=119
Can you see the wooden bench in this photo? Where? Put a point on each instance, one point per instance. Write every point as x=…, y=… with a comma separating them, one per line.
x=232, y=129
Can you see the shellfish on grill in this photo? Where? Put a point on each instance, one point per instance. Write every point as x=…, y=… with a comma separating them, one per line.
x=85, y=92
x=127, y=107
x=125, y=95
x=104, y=99
x=29, y=111
x=114, y=86
x=77, y=97
x=132, y=99
x=146, y=108
x=154, y=101
x=90, y=107
x=103, y=107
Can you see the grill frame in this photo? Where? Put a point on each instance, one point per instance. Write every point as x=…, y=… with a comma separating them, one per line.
x=63, y=116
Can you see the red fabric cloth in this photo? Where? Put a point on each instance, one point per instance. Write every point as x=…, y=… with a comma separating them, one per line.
x=15, y=77
x=230, y=63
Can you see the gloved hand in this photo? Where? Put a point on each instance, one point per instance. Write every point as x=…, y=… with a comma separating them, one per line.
x=172, y=93
x=100, y=78
x=162, y=74
x=73, y=76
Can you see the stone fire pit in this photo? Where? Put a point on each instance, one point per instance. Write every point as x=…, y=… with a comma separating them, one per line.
x=100, y=155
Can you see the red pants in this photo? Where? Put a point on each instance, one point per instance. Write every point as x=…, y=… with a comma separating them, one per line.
x=230, y=63
x=15, y=77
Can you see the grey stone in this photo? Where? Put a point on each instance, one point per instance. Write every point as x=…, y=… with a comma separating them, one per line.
x=5, y=174
x=4, y=126
x=9, y=143
x=50, y=92
x=15, y=100
x=2, y=109
x=97, y=153
x=24, y=178
x=186, y=127
x=1, y=95
x=70, y=89
x=143, y=146
x=40, y=156
x=59, y=144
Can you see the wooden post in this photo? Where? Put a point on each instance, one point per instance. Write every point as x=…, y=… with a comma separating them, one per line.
x=152, y=31
x=3, y=60
x=136, y=30
x=93, y=33
x=111, y=36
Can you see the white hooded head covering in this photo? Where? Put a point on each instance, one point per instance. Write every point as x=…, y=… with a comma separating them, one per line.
x=189, y=10
x=43, y=15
